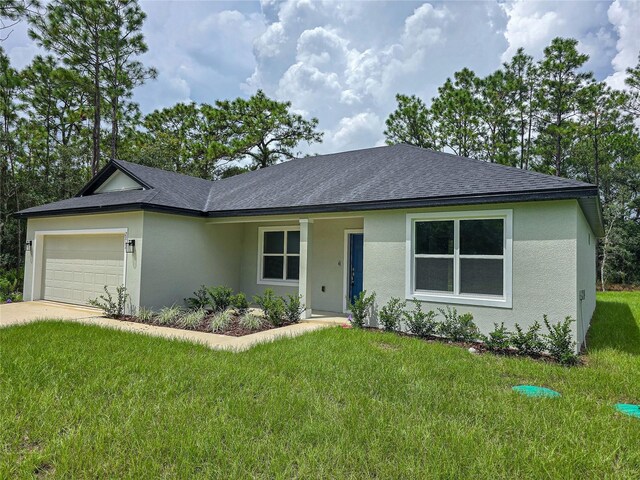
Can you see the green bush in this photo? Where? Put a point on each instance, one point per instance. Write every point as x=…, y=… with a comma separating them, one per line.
x=274, y=307
x=240, y=303
x=529, y=342
x=391, y=314
x=362, y=309
x=220, y=298
x=112, y=308
x=168, y=315
x=293, y=308
x=199, y=300
x=499, y=339
x=251, y=321
x=221, y=321
x=192, y=318
x=11, y=285
x=418, y=322
x=145, y=314
x=458, y=327
x=559, y=341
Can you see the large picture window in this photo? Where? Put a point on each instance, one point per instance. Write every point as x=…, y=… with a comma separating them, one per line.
x=279, y=255
x=460, y=257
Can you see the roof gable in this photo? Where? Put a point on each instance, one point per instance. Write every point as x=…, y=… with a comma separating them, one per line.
x=118, y=182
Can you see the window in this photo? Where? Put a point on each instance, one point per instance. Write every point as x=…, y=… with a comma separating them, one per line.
x=279, y=257
x=461, y=257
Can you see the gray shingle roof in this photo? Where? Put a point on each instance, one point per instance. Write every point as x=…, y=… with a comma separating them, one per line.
x=382, y=177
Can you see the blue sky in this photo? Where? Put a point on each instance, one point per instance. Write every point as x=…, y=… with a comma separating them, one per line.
x=343, y=62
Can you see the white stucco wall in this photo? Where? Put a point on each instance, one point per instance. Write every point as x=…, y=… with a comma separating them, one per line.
x=132, y=222
x=586, y=274
x=544, y=262
x=181, y=253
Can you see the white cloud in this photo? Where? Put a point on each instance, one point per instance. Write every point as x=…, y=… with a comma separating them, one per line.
x=533, y=24
x=625, y=17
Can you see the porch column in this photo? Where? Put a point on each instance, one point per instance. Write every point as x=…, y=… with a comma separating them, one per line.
x=304, y=283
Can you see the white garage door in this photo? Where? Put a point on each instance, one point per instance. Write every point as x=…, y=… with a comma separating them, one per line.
x=77, y=267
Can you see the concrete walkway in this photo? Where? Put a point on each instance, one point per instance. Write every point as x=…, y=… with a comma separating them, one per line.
x=25, y=312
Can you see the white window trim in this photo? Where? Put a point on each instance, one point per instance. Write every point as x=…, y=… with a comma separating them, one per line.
x=271, y=281
x=504, y=301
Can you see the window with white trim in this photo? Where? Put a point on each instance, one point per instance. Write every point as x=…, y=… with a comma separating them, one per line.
x=279, y=255
x=463, y=257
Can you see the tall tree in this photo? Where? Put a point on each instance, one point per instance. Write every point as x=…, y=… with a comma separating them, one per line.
x=122, y=72
x=411, y=123
x=12, y=11
x=521, y=75
x=558, y=98
x=457, y=111
x=633, y=84
x=500, y=136
x=261, y=129
x=10, y=83
x=91, y=37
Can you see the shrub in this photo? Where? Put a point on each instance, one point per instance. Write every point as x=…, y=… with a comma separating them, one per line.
x=112, y=308
x=391, y=314
x=529, y=342
x=221, y=321
x=293, y=308
x=145, y=314
x=11, y=285
x=559, y=341
x=220, y=298
x=168, y=315
x=458, y=327
x=251, y=321
x=199, y=300
x=361, y=309
x=192, y=318
x=499, y=339
x=240, y=303
x=274, y=307
x=418, y=322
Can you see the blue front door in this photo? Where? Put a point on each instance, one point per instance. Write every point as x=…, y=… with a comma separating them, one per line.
x=355, y=265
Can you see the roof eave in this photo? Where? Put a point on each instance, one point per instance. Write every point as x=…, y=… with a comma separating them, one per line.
x=129, y=207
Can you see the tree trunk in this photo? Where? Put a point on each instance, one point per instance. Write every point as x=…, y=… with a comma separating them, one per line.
x=95, y=159
x=558, y=147
x=114, y=127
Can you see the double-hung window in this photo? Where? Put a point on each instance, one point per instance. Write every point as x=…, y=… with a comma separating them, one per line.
x=460, y=257
x=279, y=255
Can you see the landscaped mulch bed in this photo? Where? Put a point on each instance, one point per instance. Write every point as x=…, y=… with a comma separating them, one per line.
x=479, y=347
x=235, y=329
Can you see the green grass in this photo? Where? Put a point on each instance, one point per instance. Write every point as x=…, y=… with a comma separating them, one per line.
x=83, y=402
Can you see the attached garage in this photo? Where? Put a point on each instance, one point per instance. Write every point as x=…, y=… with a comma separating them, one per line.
x=75, y=268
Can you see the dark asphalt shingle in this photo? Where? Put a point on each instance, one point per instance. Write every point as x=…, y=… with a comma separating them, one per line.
x=382, y=174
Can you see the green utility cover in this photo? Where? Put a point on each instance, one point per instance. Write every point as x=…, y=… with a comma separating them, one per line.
x=533, y=391
x=629, y=409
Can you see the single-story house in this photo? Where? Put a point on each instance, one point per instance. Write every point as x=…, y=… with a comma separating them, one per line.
x=505, y=244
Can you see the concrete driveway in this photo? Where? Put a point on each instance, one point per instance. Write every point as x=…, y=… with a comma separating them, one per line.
x=24, y=312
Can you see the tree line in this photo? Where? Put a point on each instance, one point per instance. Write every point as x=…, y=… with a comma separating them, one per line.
x=550, y=116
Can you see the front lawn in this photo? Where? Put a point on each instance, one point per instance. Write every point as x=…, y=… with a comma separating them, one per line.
x=80, y=401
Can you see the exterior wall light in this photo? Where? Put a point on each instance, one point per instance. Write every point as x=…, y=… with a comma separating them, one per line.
x=27, y=245
x=130, y=246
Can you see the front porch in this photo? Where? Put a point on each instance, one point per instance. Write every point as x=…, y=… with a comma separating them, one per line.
x=313, y=257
